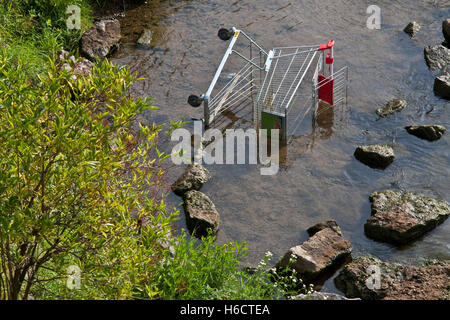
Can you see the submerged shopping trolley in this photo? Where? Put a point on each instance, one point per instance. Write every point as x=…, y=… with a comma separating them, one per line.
x=268, y=86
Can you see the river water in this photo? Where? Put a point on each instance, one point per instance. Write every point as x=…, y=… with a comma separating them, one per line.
x=322, y=179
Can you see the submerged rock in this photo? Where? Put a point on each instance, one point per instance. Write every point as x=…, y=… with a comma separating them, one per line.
x=442, y=86
x=399, y=217
x=438, y=58
x=446, y=44
x=412, y=28
x=446, y=30
x=323, y=225
x=427, y=132
x=193, y=178
x=145, y=39
x=359, y=279
x=101, y=40
x=375, y=156
x=393, y=106
x=323, y=251
x=201, y=213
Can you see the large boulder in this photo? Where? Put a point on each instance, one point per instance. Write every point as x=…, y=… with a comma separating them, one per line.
x=412, y=28
x=446, y=30
x=393, y=106
x=369, y=278
x=201, y=213
x=321, y=253
x=438, y=58
x=193, y=178
x=427, y=132
x=375, y=156
x=399, y=217
x=101, y=40
x=442, y=86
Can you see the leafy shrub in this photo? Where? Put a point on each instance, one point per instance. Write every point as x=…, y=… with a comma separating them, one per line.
x=201, y=270
x=74, y=179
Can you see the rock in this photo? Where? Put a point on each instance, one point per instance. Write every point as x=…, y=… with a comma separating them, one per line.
x=442, y=86
x=427, y=132
x=320, y=296
x=77, y=68
x=446, y=30
x=358, y=279
x=101, y=39
x=193, y=178
x=438, y=58
x=393, y=106
x=80, y=66
x=145, y=39
x=412, y=28
x=375, y=156
x=323, y=225
x=399, y=217
x=446, y=44
x=322, y=252
x=201, y=213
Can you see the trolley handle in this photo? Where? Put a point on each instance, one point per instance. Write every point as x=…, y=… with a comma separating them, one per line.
x=326, y=46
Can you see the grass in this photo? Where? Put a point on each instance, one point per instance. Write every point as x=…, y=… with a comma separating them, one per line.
x=34, y=30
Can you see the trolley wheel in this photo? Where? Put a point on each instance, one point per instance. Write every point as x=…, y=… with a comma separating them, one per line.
x=225, y=34
x=195, y=101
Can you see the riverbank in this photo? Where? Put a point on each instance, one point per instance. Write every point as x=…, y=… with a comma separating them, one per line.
x=76, y=202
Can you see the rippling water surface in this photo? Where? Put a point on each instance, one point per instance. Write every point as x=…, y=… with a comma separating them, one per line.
x=323, y=180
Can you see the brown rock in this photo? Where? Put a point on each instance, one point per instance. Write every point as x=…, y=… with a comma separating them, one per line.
x=375, y=156
x=201, y=213
x=193, y=178
x=400, y=217
x=393, y=106
x=412, y=28
x=427, y=132
x=438, y=58
x=323, y=225
x=396, y=281
x=442, y=86
x=315, y=257
x=446, y=30
x=101, y=39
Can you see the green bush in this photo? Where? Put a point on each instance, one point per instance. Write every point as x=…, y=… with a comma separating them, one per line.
x=201, y=270
x=74, y=179
x=77, y=184
x=32, y=22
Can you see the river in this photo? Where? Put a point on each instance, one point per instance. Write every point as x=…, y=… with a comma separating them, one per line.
x=323, y=180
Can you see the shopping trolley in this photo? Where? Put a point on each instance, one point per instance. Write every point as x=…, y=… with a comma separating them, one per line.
x=267, y=84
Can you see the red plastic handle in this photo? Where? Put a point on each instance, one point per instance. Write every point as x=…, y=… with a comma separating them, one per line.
x=326, y=46
x=329, y=59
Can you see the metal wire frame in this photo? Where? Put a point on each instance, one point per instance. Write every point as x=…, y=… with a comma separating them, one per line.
x=340, y=94
x=238, y=89
x=340, y=97
x=286, y=69
x=244, y=83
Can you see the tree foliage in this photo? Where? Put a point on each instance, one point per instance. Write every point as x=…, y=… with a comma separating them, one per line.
x=75, y=180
